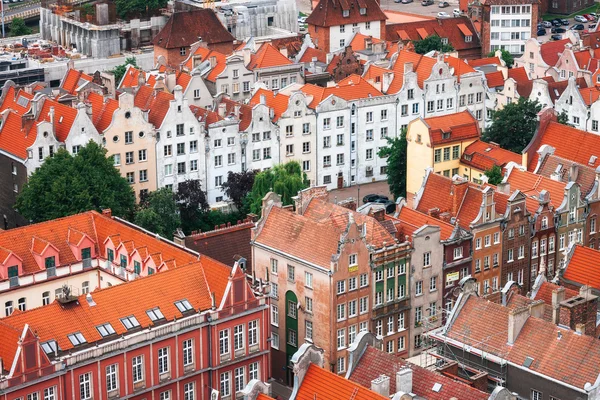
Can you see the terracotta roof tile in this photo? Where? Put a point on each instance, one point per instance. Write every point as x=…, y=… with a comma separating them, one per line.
x=410, y=220
x=262, y=396
x=64, y=116
x=184, y=28
x=329, y=12
x=550, y=51
x=319, y=383
x=245, y=112
x=157, y=104
x=16, y=100
x=459, y=126
x=545, y=293
x=103, y=110
x=73, y=79
x=183, y=79
x=131, y=77
x=351, y=88
x=557, y=88
x=335, y=60
x=278, y=102
x=267, y=56
x=359, y=41
x=311, y=53
x=13, y=138
x=204, y=54
x=484, y=156
x=590, y=95
x=204, y=116
x=480, y=62
x=584, y=267
x=436, y=194
x=586, y=176
x=532, y=184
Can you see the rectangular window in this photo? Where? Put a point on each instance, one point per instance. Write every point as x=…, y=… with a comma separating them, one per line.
x=419, y=288
x=128, y=137
x=224, y=342
x=111, y=378
x=137, y=368
x=238, y=337
x=85, y=386
x=239, y=378
x=253, y=371
x=225, y=384
x=163, y=360
x=308, y=279
x=50, y=393
x=188, y=352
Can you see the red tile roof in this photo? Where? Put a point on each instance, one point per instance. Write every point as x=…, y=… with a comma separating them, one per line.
x=545, y=293
x=410, y=220
x=131, y=77
x=586, y=176
x=484, y=156
x=278, y=102
x=157, y=104
x=590, y=95
x=186, y=27
x=64, y=116
x=557, y=88
x=584, y=267
x=330, y=12
x=550, y=51
x=436, y=194
x=375, y=362
x=183, y=79
x=103, y=110
x=205, y=54
x=245, y=112
x=55, y=321
x=570, y=143
x=483, y=322
x=204, y=116
x=532, y=184
x=13, y=138
x=319, y=383
x=460, y=126
x=267, y=56
x=16, y=100
x=262, y=396
x=484, y=61
x=311, y=53
x=359, y=41
x=351, y=88
x=73, y=79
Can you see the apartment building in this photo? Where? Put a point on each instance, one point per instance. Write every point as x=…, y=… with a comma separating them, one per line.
x=273, y=68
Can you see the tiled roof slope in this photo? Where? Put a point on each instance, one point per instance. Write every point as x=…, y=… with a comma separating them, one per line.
x=102, y=110
x=157, y=104
x=550, y=51
x=351, y=88
x=311, y=53
x=267, y=56
x=204, y=116
x=480, y=62
x=532, y=184
x=193, y=282
x=570, y=143
x=375, y=362
x=262, y=396
x=569, y=358
x=13, y=139
x=483, y=156
x=461, y=126
x=586, y=175
x=319, y=383
x=330, y=12
x=410, y=220
x=95, y=225
x=545, y=293
x=495, y=79
x=584, y=267
x=13, y=100
x=186, y=27
x=73, y=79
x=205, y=54
x=278, y=102
x=245, y=112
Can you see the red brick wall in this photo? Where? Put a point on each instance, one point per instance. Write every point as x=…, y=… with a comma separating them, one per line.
x=174, y=58
x=320, y=37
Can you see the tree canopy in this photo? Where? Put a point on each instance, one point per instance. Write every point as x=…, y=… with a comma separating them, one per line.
x=563, y=118
x=430, y=43
x=494, y=175
x=138, y=8
x=506, y=56
x=159, y=214
x=395, y=151
x=18, y=27
x=66, y=185
x=286, y=180
x=120, y=70
x=514, y=125
x=192, y=204
x=238, y=186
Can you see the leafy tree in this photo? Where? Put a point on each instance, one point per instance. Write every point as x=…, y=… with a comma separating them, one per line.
x=18, y=27
x=66, y=185
x=286, y=180
x=430, y=43
x=563, y=118
x=120, y=70
x=237, y=187
x=192, y=203
x=160, y=215
x=137, y=8
x=506, y=56
x=494, y=175
x=87, y=9
x=395, y=151
x=514, y=125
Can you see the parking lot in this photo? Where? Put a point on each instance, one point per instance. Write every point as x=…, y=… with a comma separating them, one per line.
x=549, y=33
x=414, y=8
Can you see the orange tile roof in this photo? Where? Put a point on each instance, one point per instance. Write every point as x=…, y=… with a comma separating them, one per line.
x=570, y=143
x=531, y=185
x=545, y=293
x=335, y=60
x=584, y=267
x=319, y=383
x=421, y=65
x=64, y=116
x=466, y=31
x=550, y=51
x=220, y=61
x=183, y=79
x=586, y=176
x=56, y=321
x=329, y=12
x=103, y=109
x=73, y=79
x=479, y=62
x=351, y=88
x=410, y=220
x=460, y=66
x=13, y=101
x=157, y=104
x=311, y=53
x=245, y=112
x=278, y=102
x=484, y=156
x=436, y=194
x=262, y=396
x=590, y=95
x=131, y=77
x=205, y=116
x=461, y=126
x=359, y=41
x=267, y=56
x=481, y=321
x=13, y=138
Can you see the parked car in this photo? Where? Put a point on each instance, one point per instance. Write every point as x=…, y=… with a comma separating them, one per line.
x=541, y=32
x=406, y=1
x=580, y=18
x=390, y=207
x=555, y=22
x=556, y=37
x=443, y=4
x=301, y=20
x=558, y=30
x=565, y=22
x=443, y=14
x=548, y=24
x=427, y=2
x=589, y=17
x=592, y=26
x=372, y=198
x=456, y=12
x=577, y=27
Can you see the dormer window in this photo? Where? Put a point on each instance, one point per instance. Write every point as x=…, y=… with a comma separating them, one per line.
x=446, y=135
x=346, y=13
x=86, y=253
x=155, y=314
x=123, y=261
x=76, y=338
x=363, y=11
x=50, y=347
x=468, y=38
x=137, y=267
x=183, y=305
x=106, y=330
x=50, y=262
x=130, y=322
x=444, y=40
x=110, y=254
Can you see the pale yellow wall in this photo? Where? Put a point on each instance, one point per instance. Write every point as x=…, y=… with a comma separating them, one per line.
x=472, y=174
x=419, y=155
x=454, y=162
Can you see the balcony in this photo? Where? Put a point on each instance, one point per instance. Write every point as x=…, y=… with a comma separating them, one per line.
x=50, y=272
x=87, y=263
x=13, y=281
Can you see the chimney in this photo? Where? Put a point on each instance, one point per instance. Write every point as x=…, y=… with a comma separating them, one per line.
x=107, y=212
x=536, y=309
x=141, y=79
x=283, y=50
x=404, y=380
x=558, y=295
x=90, y=300
x=516, y=319
x=247, y=55
x=434, y=212
x=580, y=329
x=573, y=172
x=585, y=291
x=51, y=115
x=381, y=385
x=263, y=99
x=222, y=110
x=408, y=67
x=213, y=61
x=459, y=188
x=503, y=187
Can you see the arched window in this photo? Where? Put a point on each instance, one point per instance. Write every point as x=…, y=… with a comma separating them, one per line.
x=22, y=304
x=45, y=298
x=8, y=308
x=85, y=287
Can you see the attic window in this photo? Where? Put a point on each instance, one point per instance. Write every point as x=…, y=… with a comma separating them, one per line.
x=446, y=135
x=60, y=120
x=76, y=338
x=592, y=160
x=444, y=40
x=105, y=330
x=528, y=361
x=346, y=13
x=183, y=305
x=155, y=314
x=468, y=38
x=130, y=322
x=363, y=11
x=50, y=347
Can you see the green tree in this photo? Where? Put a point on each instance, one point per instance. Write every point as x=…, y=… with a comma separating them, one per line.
x=18, y=27
x=494, y=175
x=514, y=125
x=430, y=43
x=395, y=152
x=506, y=56
x=563, y=118
x=192, y=204
x=286, y=180
x=120, y=70
x=66, y=185
x=238, y=186
x=160, y=214
x=137, y=8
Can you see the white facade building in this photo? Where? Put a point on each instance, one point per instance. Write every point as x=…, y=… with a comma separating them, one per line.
x=510, y=27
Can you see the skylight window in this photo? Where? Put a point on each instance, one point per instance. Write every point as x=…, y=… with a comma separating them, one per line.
x=130, y=322
x=183, y=305
x=105, y=329
x=50, y=347
x=155, y=314
x=76, y=338
x=437, y=387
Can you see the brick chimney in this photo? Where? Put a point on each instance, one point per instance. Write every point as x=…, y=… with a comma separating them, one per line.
x=516, y=320
x=107, y=212
x=434, y=212
x=558, y=295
